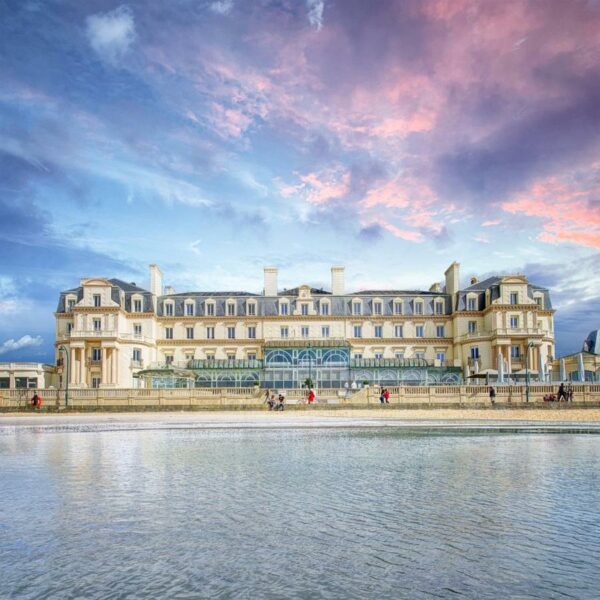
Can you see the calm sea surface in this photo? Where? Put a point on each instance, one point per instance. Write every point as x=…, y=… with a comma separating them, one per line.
x=321, y=513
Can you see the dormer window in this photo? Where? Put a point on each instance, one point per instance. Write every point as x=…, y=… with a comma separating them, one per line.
x=397, y=307
x=284, y=308
x=377, y=308
x=418, y=307
x=70, y=304
x=169, y=309
x=539, y=300
x=97, y=298
x=471, y=304
x=210, y=308
x=439, y=307
x=357, y=308
x=189, y=308
x=324, y=308
x=514, y=298
x=231, y=308
x=251, y=309
x=304, y=309
x=137, y=305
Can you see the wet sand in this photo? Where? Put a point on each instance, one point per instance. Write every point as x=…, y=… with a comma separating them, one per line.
x=452, y=418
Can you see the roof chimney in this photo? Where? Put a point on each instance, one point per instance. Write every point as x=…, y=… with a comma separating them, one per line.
x=452, y=278
x=156, y=280
x=435, y=287
x=169, y=290
x=270, y=288
x=337, y=281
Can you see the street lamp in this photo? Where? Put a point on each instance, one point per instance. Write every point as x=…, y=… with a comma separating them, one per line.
x=529, y=345
x=68, y=362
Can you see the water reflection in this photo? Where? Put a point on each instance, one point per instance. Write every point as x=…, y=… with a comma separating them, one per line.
x=298, y=513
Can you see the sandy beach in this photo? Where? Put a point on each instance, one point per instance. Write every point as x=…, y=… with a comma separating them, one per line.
x=322, y=418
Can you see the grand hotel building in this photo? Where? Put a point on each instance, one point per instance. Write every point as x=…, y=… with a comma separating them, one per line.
x=117, y=334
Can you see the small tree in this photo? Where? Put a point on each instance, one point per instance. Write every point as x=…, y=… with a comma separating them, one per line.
x=308, y=382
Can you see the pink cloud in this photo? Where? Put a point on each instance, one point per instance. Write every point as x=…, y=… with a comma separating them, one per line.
x=566, y=206
x=491, y=223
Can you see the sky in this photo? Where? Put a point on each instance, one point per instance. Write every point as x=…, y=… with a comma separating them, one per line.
x=218, y=137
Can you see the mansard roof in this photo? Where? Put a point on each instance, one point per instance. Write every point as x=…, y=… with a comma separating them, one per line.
x=127, y=287
x=396, y=293
x=208, y=294
x=481, y=286
x=296, y=291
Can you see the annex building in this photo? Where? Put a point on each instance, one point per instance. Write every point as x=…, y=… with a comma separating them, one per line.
x=110, y=333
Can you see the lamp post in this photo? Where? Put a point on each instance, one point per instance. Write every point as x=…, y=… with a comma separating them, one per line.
x=529, y=345
x=310, y=364
x=68, y=363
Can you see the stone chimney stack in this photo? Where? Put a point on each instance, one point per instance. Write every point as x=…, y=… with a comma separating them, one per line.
x=156, y=280
x=453, y=279
x=270, y=288
x=435, y=287
x=169, y=290
x=337, y=281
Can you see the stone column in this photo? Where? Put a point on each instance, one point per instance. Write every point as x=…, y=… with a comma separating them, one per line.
x=115, y=366
x=82, y=366
x=104, y=366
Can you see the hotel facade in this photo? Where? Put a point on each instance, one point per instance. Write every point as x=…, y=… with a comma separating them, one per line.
x=110, y=333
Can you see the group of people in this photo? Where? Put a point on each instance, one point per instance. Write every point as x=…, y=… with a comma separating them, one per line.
x=274, y=403
x=565, y=394
x=384, y=397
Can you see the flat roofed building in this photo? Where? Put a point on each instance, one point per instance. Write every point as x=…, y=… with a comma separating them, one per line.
x=114, y=331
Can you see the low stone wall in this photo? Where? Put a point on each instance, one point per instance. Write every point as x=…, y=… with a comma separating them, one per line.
x=252, y=398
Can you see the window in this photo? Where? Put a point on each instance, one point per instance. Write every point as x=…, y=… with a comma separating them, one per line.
x=539, y=301
x=420, y=354
x=71, y=304
x=252, y=332
x=97, y=324
x=304, y=332
x=471, y=304
x=357, y=331
x=325, y=309
x=210, y=309
x=439, y=331
x=378, y=331
x=356, y=308
x=169, y=359
x=231, y=333
x=514, y=298
x=304, y=309
x=189, y=309
x=357, y=356
x=189, y=357
x=189, y=333
x=210, y=333
x=210, y=356
x=252, y=309
x=418, y=308
x=69, y=327
x=251, y=355
x=419, y=331
x=474, y=352
x=96, y=382
x=514, y=322
x=285, y=332
x=399, y=331
x=325, y=331
x=472, y=326
x=230, y=357
x=137, y=330
x=378, y=355
x=399, y=355
x=137, y=355
x=168, y=333
x=97, y=300
x=96, y=354
x=230, y=309
x=284, y=308
x=169, y=309
x=515, y=352
x=439, y=308
x=377, y=308
x=397, y=308
x=441, y=356
x=137, y=305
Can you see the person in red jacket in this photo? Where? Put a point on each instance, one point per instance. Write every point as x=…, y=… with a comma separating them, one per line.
x=386, y=395
x=311, y=396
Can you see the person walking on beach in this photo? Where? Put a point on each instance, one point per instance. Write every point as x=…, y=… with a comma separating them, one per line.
x=382, y=397
x=492, y=395
x=311, y=396
x=281, y=405
x=34, y=400
x=570, y=392
x=271, y=402
x=386, y=396
x=562, y=395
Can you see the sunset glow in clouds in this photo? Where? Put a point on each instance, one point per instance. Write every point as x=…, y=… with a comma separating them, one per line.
x=217, y=137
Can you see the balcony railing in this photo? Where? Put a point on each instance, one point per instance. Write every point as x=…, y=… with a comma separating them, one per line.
x=137, y=364
x=94, y=362
x=94, y=333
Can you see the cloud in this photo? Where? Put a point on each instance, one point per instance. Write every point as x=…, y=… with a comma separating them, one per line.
x=222, y=7
x=26, y=341
x=315, y=13
x=111, y=34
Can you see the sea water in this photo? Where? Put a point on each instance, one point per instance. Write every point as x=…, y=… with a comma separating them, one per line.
x=298, y=513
